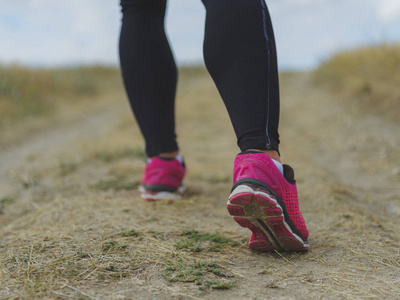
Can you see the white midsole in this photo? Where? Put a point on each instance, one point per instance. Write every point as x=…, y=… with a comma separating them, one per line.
x=172, y=196
x=247, y=189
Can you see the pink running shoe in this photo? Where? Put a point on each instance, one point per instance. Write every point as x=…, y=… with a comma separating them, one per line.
x=162, y=179
x=266, y=202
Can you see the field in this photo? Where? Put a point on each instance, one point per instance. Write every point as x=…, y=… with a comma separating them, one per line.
x=72, y=224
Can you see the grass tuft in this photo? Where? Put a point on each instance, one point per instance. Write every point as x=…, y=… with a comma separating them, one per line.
x=109, y=244
x=202, y=273
x=131, y=232
x=367, y=78
x=67, y=168
x=217, y=284
x=84, y=254
x=194, y=241
x=4, y=201
x=189, y=246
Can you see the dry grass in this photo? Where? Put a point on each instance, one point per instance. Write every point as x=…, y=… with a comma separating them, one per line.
x=31, y=98
x=368, y=79
x=34, y=92
x=72, y=224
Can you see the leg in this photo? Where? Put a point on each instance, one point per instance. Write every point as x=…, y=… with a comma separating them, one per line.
x=240, y=54
x=150, y=76
x=149, y=72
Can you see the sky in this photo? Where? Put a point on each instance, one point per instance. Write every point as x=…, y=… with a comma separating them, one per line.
x=47, y=33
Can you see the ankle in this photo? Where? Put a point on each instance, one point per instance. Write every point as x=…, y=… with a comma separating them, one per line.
x=272, y=153
x=171, y=154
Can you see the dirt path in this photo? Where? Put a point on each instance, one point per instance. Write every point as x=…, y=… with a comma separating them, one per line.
x=41, y=148
x=73, y=226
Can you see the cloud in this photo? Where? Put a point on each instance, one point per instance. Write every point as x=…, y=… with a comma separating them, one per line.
x=388, y=10
x=48, y=32
x=59, y=32
x=309, y=32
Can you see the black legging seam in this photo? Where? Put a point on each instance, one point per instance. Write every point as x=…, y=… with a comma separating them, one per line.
x=267, y=43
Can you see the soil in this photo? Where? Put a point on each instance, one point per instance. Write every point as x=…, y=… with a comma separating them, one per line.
x=69, y=196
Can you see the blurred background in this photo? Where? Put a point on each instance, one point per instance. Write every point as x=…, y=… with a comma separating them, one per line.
x=72, y=157
x=53, y=33
x=69, y=49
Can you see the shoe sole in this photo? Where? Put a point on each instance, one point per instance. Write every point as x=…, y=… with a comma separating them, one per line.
x=259, y=210
x=161, y=195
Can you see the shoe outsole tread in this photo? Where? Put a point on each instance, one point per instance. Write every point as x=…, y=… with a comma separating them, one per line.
x=258, y=210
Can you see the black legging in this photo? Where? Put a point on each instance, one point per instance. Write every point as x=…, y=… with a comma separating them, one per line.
x=239, y=52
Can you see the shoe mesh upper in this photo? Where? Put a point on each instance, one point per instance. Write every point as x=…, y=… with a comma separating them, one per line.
x=261, y=167
x=163, y=173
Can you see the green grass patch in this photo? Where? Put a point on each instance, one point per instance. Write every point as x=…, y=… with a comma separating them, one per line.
x=4, y=201
x=202, y=273
x=7, y=199
x=84, y=254
x=131, y=232
x=111, y=245
x=194, y=241
x=188, y=245
x=220, y=285
x=67, y=168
